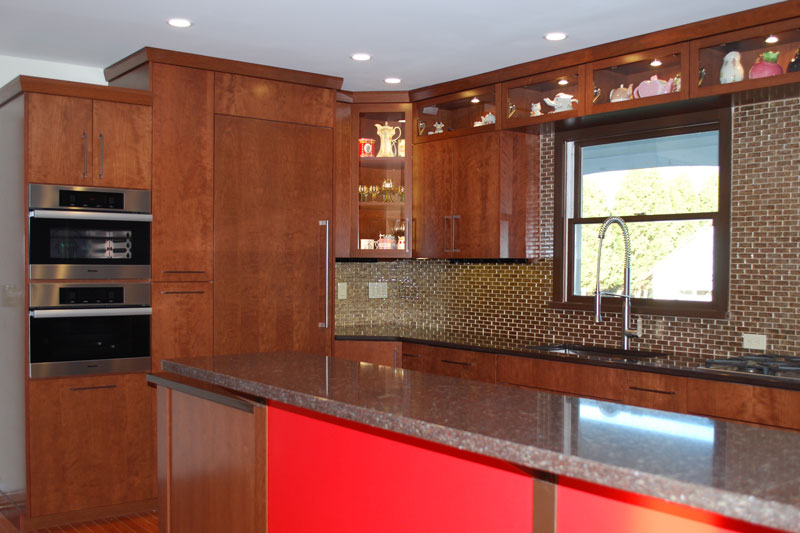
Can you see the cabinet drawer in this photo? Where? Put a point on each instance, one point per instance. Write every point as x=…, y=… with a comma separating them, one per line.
x=745, y=403
x=414, y=356
x=385, y=353
x=655, y=391
x=462, y=364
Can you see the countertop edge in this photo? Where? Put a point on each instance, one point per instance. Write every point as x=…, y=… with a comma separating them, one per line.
x=730, y=504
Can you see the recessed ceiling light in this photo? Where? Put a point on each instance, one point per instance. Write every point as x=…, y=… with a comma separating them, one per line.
x=392, y=80
x=655, y=63
x=361, y=56
x=772, y=39
x=563, y=81
x=179, y=23
x=475, y=100
x=556, y=36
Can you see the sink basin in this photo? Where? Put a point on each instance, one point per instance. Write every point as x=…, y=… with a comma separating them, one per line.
x=582, y=350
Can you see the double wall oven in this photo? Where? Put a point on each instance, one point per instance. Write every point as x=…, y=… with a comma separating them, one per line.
x=82, y=242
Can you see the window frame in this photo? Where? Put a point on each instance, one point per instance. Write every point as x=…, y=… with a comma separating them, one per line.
x=567, y=201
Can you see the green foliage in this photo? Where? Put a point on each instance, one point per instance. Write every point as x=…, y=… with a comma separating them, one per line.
x=654, y=191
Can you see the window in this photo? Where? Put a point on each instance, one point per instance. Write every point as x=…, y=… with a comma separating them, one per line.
x=669, y=179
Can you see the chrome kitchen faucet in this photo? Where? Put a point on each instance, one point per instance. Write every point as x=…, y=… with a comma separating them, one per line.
x=627, y=332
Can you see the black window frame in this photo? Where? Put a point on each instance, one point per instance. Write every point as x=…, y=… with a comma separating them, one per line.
x=567, y=189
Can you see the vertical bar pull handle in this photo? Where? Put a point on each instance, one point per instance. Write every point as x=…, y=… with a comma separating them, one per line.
x=327, y=225
x=446, y=249
x=453, y=248
x=85, y=155
x=102, y=154
x=409, y=249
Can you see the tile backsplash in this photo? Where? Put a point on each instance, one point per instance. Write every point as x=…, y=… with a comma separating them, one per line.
x=511, y=300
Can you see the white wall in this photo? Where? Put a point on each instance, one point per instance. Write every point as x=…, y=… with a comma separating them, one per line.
x=11, y=67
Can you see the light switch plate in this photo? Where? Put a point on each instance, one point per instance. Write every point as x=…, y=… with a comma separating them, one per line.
x=341, y=291
x=378, y=290
x=754, y=342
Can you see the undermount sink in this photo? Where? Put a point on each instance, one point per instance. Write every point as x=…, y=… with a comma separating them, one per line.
x=582, y=350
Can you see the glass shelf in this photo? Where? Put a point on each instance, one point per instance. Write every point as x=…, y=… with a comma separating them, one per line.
x=459, y=114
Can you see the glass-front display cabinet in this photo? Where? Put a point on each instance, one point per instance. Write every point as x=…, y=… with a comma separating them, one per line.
x=381, y=180
x=634, y=80
x=463, y=113
x=544, y=97
x=747, y=59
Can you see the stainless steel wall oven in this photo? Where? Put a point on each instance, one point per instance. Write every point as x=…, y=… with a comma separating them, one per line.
x=88, y=233
x=78, y=329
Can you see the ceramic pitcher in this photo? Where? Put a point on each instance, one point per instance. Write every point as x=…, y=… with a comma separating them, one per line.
x=386, y=134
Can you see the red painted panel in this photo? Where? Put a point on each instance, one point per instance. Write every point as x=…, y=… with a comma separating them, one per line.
x=586, y=507
x=336, y=476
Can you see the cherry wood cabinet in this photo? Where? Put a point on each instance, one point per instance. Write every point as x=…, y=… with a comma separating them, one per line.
x=183, y=173
x=470, y=195
x=387, y=353
x=182, y=321
x=90, y=443
x=655, y=391
x=744, y=403
x=79, y=141
x=272, y=210
x=451, y=362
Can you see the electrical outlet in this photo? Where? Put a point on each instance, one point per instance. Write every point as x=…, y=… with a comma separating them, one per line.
x=754, y=342
x=341, y=291
x=378, y=290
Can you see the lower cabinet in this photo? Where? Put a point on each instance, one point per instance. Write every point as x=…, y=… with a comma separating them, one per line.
x=387, y=353
x=655, y=391
x=451, y=362
x=182, y=323
x=91, y=443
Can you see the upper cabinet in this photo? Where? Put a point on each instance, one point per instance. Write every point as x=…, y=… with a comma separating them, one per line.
x=464, y=113
x=381, y=180
x=544, y=97
x=747, y=59
x=645, y=78
x=80, y=141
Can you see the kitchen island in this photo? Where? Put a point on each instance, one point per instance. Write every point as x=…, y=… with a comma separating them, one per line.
x=342, y=445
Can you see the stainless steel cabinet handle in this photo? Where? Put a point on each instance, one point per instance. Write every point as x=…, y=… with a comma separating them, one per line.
x=656, y=391
x=183, y=292
x=183, y=271
x=102, y=155
x=85, y=155
x=411, y=355
x=408, y=235
x=81, y=313
x=327, y=225
x=96, y=387
x=462, y=363
x=395, y=353
x=446, y=249
x=453, y=248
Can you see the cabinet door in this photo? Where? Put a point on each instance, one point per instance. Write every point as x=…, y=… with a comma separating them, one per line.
x=745, y=403
x=90, y=443
x=476, y=201
x=183, y=173
x=415, y=356
x=272, y=190
x=182, y=322
x=432, y=225
x=123, y=136
x=59, y=139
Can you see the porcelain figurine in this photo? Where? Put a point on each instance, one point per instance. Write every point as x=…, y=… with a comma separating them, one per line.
x=765, y=66
x=794, y=63
x=701, y=75
x=561, y=102
x=388, y=139
x=676, y=84
x=653, y=87
x=621, y=93
x=536, y=109
x=421, y=127
x=438, y=127
x=596, y=92
x=732, y=69
x=511, y=109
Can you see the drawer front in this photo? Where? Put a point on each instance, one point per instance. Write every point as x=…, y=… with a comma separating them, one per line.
x=414, y=356
x=655, y=391
x=462, y=364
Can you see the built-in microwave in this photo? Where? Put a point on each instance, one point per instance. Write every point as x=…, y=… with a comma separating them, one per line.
x=79, y=329
x=88, y=233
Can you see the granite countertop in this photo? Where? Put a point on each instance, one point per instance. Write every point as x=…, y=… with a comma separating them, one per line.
x=520, y=347
x=737, y=470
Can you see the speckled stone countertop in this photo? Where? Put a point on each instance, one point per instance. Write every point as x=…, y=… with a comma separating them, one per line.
x=520, y=347
x=736, y=470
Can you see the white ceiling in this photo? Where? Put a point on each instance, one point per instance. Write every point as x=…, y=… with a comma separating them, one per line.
x=421, y=41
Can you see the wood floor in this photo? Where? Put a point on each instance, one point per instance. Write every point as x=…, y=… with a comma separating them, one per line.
x=132, y=523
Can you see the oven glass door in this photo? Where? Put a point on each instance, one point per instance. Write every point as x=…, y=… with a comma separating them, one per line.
x=67, y=248
x=75, y=345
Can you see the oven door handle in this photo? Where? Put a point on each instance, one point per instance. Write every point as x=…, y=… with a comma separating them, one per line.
x=90, y=215
x=81, y=313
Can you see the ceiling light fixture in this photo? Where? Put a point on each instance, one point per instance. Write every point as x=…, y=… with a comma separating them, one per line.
x=361, y=57
x=392, y=80
x=556, y=36
x=655, y=63
x=772, y=39
x=563, y=81
x=179, y=23
x=475, y=100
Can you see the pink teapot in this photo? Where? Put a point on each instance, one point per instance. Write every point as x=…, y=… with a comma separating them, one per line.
x=653, y=87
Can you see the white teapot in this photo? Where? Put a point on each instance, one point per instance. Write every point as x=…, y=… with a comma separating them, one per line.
x=561, y=102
